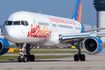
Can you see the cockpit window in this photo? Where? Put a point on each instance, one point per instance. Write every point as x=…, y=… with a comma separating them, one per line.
x=22, y=22
x=16, y=23
x=8, y=22
x=25, y=23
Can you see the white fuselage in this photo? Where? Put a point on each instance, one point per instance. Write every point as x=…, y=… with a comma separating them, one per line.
x=38, y=29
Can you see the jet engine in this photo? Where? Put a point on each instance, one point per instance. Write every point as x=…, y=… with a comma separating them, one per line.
x=4, y=46
x=92, y=45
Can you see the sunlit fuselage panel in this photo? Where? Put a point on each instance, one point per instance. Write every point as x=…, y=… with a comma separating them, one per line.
x=28, y=27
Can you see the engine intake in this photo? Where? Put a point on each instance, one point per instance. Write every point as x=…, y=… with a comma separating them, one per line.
x=4, y=46
x=92, y=45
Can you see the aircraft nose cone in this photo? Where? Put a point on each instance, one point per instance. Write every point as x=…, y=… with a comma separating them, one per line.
x=11, y=33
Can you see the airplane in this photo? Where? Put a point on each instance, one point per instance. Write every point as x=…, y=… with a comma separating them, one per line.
x=28, y=29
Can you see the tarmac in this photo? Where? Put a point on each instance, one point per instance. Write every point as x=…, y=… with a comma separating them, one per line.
x=93, y=62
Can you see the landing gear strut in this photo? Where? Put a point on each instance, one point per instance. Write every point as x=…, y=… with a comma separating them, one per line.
x=27, y=57
x=79, y=56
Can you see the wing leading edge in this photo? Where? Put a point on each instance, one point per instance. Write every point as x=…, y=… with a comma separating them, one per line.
x=79, y=36
x=95, y=29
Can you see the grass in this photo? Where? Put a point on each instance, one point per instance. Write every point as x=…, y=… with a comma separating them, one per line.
x=51, y=51
x=52, y=48
x=50, y=57
x=8, y=57
x=36, y=57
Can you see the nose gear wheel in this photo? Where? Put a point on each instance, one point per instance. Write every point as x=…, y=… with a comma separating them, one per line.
x=28, y=56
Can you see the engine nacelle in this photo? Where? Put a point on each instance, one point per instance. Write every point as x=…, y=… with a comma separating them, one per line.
x=4, y=46
x=92, y=45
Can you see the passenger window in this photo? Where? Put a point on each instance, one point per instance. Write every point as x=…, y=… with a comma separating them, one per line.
x=65, y=26
x=44, y=24
x=16, y=23
x=54, y=25
x=8, y=23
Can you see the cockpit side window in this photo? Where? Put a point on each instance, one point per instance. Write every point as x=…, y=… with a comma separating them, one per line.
x=8, y=22
x=22, y=22
x=25, y=23
x=16, y=23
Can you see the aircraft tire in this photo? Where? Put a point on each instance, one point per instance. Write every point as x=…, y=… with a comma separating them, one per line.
x=82, y=58
x=24, y=59
x=32, y=58
x=76, y=57
x=19, y=59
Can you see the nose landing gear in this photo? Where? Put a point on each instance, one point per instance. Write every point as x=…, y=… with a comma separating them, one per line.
x=27, y=57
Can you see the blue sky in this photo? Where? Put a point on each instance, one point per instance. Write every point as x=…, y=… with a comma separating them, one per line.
x=61, y=8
